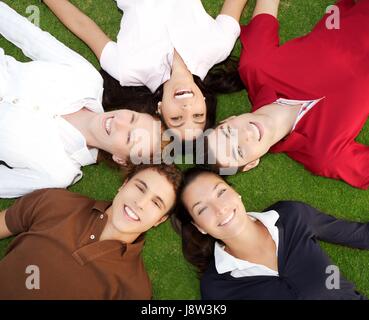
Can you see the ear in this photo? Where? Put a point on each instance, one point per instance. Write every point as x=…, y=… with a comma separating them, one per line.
x=158, y=110
x=199, y=228
x=251, y=165
x=162, y=219
x=119, y=160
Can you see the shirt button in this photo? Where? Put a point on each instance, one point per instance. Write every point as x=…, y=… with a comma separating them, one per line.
x=101, y=216
x=92, y=237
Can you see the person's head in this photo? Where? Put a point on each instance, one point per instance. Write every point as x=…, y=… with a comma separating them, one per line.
x=211, y=210
x=186, y=107
x=146, y=199
x=240, y=141
x=126, y=134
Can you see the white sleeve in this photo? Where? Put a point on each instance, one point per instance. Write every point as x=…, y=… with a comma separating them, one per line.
x=35, y=43
x=18, y=182
x=230, y=30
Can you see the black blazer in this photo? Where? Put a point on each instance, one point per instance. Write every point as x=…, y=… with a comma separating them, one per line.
x=302, y=263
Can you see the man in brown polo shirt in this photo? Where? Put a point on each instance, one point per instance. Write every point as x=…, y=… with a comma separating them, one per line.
x=69, y=246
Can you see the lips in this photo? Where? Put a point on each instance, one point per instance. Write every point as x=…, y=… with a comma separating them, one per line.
x=228, y=219
x=183, y=94
x=107, y=125
x=130, y=214
x=259, y=128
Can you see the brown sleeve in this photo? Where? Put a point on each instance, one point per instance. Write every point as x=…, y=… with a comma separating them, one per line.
x=23, y=213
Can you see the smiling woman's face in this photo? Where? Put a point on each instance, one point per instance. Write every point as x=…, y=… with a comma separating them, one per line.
x=183, y=108
x=214, y=206
x=142, y=202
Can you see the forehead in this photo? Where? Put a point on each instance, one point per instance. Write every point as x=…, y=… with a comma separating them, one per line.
x=201, y=187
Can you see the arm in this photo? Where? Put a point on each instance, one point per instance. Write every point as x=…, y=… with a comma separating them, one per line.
x=80, y=24
x=4, y=231
x=234, y=8
x=267, y=6
x=35, y=43
x=330, y=229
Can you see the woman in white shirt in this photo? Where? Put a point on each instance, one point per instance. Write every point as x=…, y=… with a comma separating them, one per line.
x=51, y=117
x=269, y=255
x=169, y=46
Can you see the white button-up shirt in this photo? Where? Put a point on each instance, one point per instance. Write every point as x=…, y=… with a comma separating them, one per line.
x=38, y=148
x=224, y=262
x=151, y=30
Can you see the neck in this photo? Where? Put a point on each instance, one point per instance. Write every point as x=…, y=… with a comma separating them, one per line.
x=248, y=243
x=282, y=118
x=111, y=233
x=179, y=68
x=81, y=120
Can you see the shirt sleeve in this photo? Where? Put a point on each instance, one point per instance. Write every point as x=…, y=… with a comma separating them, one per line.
x=20, y=181
x=259, y=36
x=35, y=43
x=230, y=29
x=330, y=229
x=352, y=165
x=22, y=215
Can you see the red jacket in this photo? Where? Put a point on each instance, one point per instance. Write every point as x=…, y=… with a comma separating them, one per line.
x=325, y=63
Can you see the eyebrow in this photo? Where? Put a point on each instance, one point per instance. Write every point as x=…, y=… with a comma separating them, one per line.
x=196, y=204
x=156, y=196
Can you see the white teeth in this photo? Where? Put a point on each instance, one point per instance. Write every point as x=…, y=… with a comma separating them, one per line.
x=230, y=217
x=131, y=214
x=183, y=94
x=108, y=125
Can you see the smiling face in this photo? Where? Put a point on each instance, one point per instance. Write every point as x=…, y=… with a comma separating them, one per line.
x=125, y=133
x=241, y=141
x=142, y=202
x=183, y=108
x=215, y=207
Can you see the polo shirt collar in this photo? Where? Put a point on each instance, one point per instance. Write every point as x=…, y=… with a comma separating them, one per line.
x=111, y=249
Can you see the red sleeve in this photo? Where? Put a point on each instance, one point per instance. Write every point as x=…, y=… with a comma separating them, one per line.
x=352, y=165
x=21, y=216
x=259, y=36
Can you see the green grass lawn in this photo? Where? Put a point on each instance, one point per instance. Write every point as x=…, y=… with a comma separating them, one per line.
x=277, y=177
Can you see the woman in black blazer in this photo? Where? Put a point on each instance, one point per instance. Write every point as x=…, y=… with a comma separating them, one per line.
x=268, y=255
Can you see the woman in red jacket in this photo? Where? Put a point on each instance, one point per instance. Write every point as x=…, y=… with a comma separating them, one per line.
x=309, y=95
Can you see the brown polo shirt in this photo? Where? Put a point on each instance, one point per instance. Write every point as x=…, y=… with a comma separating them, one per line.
x=58, y=233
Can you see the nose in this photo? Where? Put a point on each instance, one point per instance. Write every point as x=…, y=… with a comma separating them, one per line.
x=221, y=209
x=142, y=201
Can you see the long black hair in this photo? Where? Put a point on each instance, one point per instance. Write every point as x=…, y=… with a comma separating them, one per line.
x=222, y=78
x=198, y=248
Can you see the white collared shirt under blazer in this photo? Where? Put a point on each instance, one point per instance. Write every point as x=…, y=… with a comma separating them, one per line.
x=151, y=30
x=38, y=148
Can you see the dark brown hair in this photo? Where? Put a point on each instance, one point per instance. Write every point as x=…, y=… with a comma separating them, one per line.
x=222, y=78
x=198, y=248
x=170, y=172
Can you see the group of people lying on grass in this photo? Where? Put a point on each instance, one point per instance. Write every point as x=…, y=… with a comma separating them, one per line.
x=163, y=73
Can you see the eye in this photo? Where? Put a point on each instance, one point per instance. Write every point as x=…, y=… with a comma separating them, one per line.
x=198, y=115
x=140, y=188
x=176, y=118
x=201, y=210
x=220, y=192
x=157, y=204
x=133, y=118
x=129, y=137
x=240, y=153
